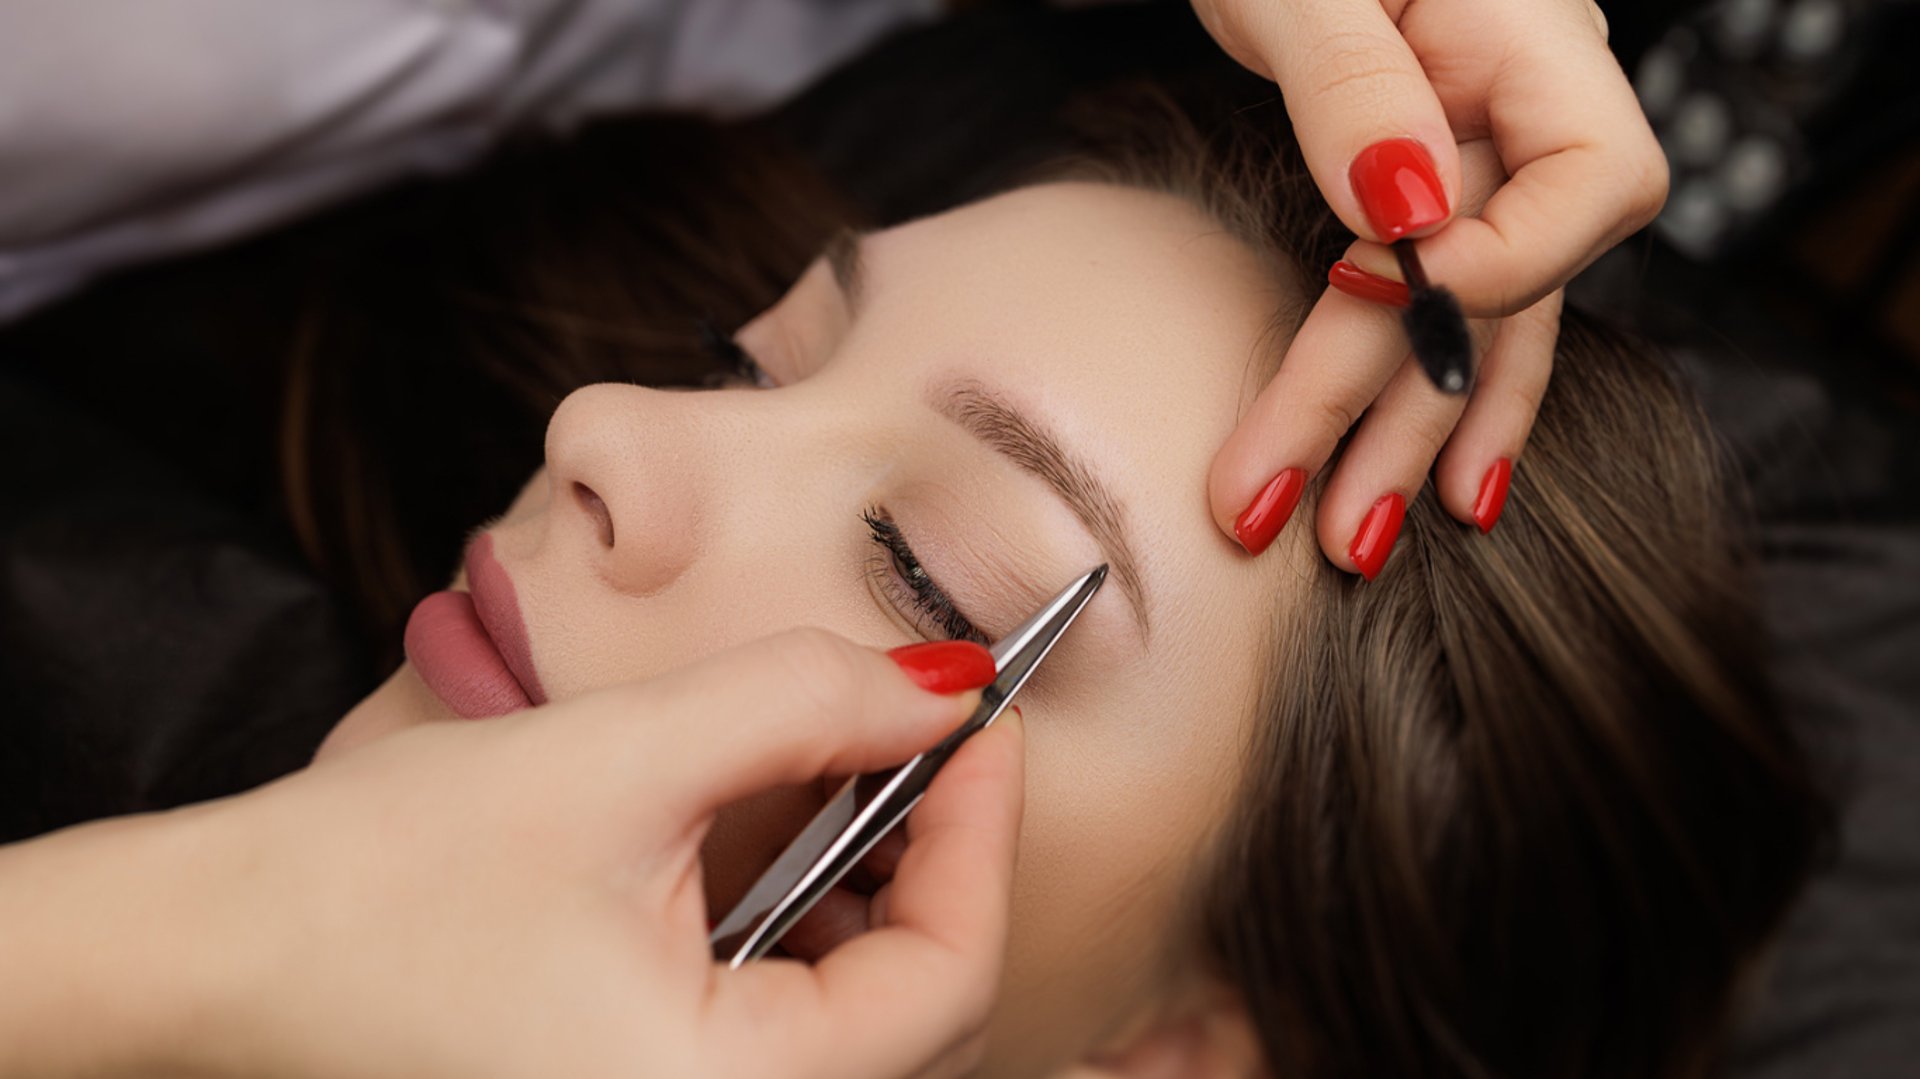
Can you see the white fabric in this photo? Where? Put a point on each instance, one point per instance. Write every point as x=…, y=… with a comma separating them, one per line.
x=134, y=129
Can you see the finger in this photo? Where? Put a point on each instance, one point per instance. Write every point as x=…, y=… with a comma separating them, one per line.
x=932, y=970
x=1483, y=174
x=1585, y=168
x=784, y=709
x=1388, y=458
x=1354, y=90
x=1474, y=469
x=1345, y=352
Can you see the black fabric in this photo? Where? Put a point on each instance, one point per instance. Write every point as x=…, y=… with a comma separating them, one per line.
x=156, y=647
x=160, y=642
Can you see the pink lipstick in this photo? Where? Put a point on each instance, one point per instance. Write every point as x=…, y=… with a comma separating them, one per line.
x=471, y=648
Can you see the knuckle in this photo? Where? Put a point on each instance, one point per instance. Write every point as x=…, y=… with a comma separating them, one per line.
x=1336, y=415
x=1524, y=397
x=1483, y=173
x=1646, y=181
x=1428, y=430
x=1355, y=64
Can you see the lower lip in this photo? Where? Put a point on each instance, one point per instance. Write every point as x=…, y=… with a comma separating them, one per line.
x=453, y=655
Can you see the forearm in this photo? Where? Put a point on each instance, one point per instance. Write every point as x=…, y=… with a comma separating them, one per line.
x=97, y=955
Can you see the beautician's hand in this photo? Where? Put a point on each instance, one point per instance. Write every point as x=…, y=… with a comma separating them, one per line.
x=1511, y=112
x=522, y=896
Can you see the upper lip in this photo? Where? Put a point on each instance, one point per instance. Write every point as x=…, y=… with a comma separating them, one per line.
x=498, y=609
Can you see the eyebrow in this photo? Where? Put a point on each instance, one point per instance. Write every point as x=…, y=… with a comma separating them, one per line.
x=1015, y=435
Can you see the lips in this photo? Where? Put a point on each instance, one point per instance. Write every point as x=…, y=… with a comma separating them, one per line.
x=471, y=648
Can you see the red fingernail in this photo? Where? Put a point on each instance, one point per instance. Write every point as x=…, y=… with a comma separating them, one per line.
x=945, y=666
x=1493, y=495
x=1268, y=512
x=1374, y=542
x=1398, y=188
x=1371, y=287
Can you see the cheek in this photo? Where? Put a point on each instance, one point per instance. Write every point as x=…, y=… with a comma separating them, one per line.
x=1114, y=825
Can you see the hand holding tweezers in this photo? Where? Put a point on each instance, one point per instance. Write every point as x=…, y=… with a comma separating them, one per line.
x=869, y=806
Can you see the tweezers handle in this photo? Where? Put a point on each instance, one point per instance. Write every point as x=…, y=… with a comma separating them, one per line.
x=866, y=809
x=869, y=806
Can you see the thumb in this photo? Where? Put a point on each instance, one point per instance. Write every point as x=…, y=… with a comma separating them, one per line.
x=789, y=708
x=911, y=996
x=1368, y=121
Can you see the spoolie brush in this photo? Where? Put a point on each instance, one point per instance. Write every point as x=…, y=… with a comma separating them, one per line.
x=1436, y=326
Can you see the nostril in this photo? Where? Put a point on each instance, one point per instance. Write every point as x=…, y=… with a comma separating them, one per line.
x=596, y=509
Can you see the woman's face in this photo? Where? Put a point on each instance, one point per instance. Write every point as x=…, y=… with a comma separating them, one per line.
x=1015, y=391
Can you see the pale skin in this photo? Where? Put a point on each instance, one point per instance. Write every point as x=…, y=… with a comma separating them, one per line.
x=519, y=897
x=1547, y=162
x=736, y=514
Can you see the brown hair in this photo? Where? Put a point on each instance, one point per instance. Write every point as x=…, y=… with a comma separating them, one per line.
x=1518, y=808
x=1521, y=806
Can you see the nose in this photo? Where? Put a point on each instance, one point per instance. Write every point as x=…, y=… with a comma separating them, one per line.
x=626, y=474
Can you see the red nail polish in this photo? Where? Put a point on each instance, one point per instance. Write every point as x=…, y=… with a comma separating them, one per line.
x=1374, y=542
x=945, y=666
x=1493, y=495
x=1398, y=188
x=1371, y=287
x=1267, y=514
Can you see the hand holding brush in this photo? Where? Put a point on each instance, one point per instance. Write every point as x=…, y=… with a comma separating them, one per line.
x=1504, y=138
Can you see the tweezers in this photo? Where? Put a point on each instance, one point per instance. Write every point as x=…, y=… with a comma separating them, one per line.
x=869, y=806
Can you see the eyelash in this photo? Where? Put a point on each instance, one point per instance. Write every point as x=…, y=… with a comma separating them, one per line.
x=906, y=582
x=741, y=367
x=910, y=585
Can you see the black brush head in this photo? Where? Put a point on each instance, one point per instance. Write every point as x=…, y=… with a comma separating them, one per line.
x=1436, y=326
x=1439, y=334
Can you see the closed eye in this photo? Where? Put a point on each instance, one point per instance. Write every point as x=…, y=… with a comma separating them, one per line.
x=738, y=368
x=912, y=590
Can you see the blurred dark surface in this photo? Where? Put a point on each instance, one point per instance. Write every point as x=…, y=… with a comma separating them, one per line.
x=158, y=644
x=161, y=640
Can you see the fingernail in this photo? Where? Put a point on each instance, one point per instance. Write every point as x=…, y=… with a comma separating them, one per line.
x=1493, y=495
x=1371, y=287
x=1374, y=542
x=1267, y=514
x=1398, y=188
x=945, y=666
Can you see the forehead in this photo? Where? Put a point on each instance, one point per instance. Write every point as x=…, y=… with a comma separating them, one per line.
x=1104, y=278
x=1137, y=327
x=1121, y=306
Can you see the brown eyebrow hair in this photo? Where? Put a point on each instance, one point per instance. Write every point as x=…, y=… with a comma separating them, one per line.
x=1015, y=435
